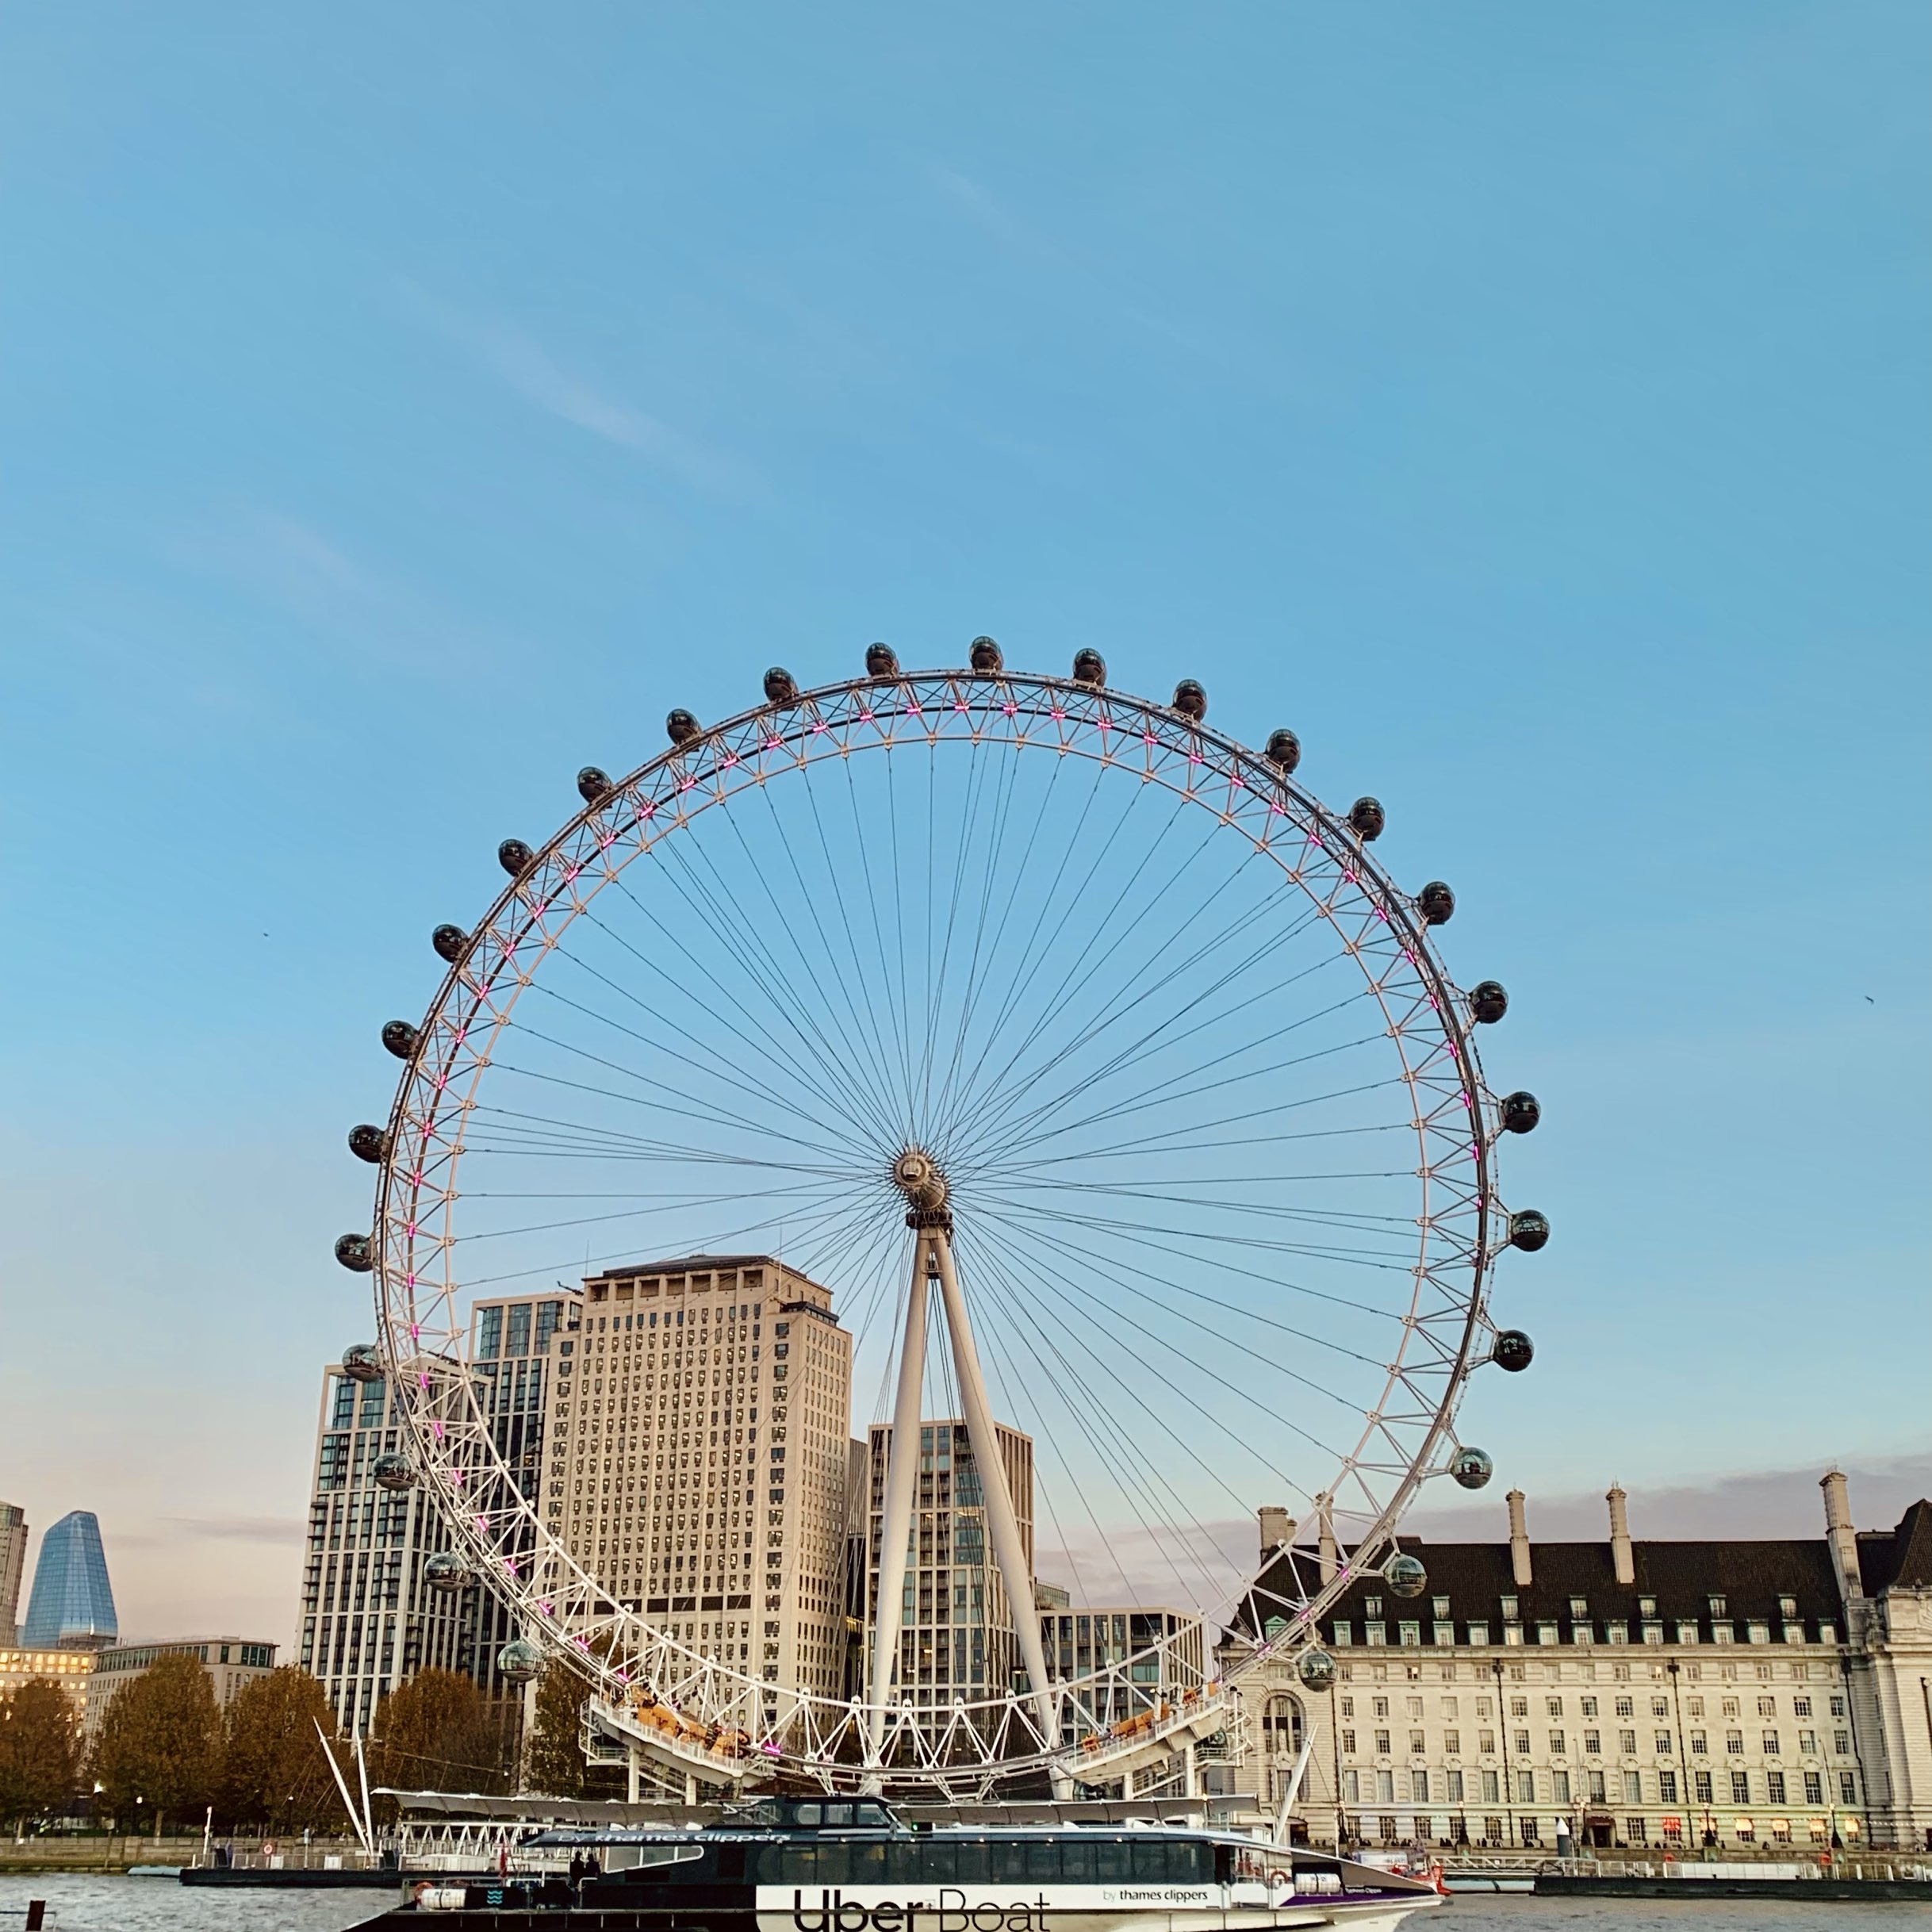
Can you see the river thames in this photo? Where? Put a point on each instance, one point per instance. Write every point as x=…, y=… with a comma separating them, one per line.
x=89, y=1903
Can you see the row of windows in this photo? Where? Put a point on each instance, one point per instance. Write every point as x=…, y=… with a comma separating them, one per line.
x=1442, y=1636
x=1147, y=1857
x=1532, y=1787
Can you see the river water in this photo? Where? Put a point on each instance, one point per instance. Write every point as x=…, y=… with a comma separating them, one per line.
x=86, y=1903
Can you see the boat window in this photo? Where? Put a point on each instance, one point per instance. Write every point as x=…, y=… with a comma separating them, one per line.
x=1009, y=1861
x=1076, y=1862
x=1110, y=1860
x=838, y=1814
x=912, y=1861
x=974, y=1860
x=810, y=1814
x=789, y=1864
x=872, y=1815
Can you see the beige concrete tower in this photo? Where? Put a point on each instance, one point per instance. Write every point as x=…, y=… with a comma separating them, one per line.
x=12, y=1565
x=696, y=1449
x=1519, y=1541
x=1622, y=1557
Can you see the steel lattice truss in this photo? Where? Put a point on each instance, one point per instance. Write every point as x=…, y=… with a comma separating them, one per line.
x=714, y=1716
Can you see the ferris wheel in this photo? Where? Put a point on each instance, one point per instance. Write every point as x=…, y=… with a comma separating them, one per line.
x=1113, y=1101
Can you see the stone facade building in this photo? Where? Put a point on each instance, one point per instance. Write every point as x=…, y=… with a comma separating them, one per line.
x=1721, y=1694
x=229, y=1663
x=695, y=1458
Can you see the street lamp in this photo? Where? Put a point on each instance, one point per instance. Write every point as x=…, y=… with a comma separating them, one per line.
x=1509, y=1816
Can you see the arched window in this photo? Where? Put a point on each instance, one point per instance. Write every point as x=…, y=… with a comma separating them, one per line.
x=1281, y=1727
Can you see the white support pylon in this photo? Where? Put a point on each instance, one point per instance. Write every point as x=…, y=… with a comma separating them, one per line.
x=901, y=1481
x=1015, y=1572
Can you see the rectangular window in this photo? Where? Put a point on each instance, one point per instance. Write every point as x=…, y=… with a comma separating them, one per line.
x=1419, y=1786
x=1700, y=1784
x=490, y=1333
x=1385, y=1787
x=1848, y=1788
x=1559, y=1787
x=1455, y=1787
x=1409, y=1634
x=1595, y=1786
x=1814, y=1788
x=1774, y=1788
x=1479, y=1633
x=1633, y=1788
x=1492, y=1788
x=1667, y=1787
x=1740, y=1787
x=1526, y=1788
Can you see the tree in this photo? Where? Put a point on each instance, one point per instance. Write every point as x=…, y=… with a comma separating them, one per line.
x=435, y=1732
x=39, y=1749
x=273, y=1772
x=556, y=1765
x=158, y=1754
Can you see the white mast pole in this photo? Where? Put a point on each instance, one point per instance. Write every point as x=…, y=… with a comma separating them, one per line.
x=902, y=1482
x=1015, y=1572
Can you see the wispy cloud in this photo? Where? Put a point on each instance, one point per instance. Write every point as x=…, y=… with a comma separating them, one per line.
x=525, y=366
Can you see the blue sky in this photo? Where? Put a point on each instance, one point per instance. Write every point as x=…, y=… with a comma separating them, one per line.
x=398, y=409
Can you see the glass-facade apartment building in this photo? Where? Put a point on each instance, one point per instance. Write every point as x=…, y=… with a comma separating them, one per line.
x=72, y=1607
x=369, y=1619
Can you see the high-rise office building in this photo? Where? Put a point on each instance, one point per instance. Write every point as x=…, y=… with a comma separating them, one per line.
x=72, y=1607
x=695, y=1458
x=13, y=1567
x=957, y=1642
x=370, y=1617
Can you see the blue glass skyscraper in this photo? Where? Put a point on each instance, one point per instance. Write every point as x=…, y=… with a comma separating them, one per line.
x=73, y=1603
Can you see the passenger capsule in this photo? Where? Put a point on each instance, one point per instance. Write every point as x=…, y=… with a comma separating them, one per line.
x=1284, y=750
x=400, y=1038
x=1514, y=1351
x=519, y=1660
x=1488, y=1002
x=680, y=727
x=1436, y=903
x=1190, y=700
x=591, y=784
x=1315, y=1668
x=1528, y=1230
x=446, y=1570
x=368, y=1143
x=1368, y=818
x=363, y=1362
x=514, y=857
x=1405, y=1576
x=780, y=686
x=1472, y=1469
x=352, y=1252
x=1089, y=668
x=984, y=657
x=881, y=661
x=393, y=1470
x=1519, y=1112
x=449, y=941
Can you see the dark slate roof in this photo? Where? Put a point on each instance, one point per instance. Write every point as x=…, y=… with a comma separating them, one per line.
x=1682, y=1576
x=1903, y=1556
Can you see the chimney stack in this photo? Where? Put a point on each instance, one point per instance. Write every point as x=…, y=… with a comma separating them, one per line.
x=1843, y=1537
x=1277, y=1530
x=1519, y=1540
x=1324, y=1522
x=1621, y=1554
